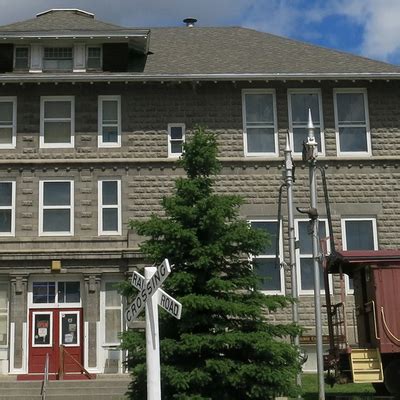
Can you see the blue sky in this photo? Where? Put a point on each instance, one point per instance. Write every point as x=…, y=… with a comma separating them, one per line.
x=370, y=28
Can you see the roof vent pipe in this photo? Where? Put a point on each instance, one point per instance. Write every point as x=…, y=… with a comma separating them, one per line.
x=190, y=22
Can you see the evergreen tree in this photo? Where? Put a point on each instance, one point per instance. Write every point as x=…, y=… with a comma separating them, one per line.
x=223, y=347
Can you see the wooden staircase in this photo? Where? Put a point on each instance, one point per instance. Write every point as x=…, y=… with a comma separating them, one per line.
x=366, y=365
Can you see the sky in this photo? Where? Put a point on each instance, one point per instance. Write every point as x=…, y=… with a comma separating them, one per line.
x=370, y=28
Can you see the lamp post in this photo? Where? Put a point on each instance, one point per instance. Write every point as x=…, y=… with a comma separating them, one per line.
x=310, y=153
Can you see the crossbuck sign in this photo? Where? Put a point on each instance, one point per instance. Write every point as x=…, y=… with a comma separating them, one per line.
x=150, y=295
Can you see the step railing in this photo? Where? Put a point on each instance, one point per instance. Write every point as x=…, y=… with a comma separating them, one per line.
x=61, y=370
x=45, y=378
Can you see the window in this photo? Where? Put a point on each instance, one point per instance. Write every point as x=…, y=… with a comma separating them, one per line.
x=44, y=292
x=358, y=234
x=57, y=58
x=259, y=122
x=57, y=122
x=93, y=58
x=176, y=139
x=21, y=58
x=109, y=207
x=3, y=314
x=113, y=313
x=8, y=122
x=56, y=213
x=7, y=208
x=265, y=263
x=69, y=292
x=352, y=125
x=304, y=255
x=299, y=102
x=109, y=121
x=63, y=293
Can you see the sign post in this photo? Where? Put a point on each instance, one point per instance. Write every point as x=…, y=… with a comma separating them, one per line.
x=150, y=295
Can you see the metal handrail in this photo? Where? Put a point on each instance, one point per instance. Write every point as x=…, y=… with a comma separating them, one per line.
x=374, y=315
x=61, y=370
x=45, y=377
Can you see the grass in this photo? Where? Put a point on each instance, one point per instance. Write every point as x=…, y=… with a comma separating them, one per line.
x=310, y=388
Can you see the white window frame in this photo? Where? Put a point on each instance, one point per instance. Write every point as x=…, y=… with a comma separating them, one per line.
x=61, y=207
x=319, y=125
x=116, y=98
x=269, y=256
x=362, y=91
x=87, y=56
x=170, y=140
x=78, y=328
x=344, y=240
x=102, y=232
x=15, y=57
x=274, y=153
x=51, y=328
x=13, y=144
x=11, y=207
x=7, y=313
x=309, y=255
x=45, y=99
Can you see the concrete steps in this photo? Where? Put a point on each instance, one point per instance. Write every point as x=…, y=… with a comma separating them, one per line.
x=112, y=388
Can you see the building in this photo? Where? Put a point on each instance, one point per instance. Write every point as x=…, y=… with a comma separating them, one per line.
x=92, y=120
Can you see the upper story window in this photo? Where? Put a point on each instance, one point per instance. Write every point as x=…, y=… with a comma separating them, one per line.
x=7, y=208
x=109, y=207
x=259, y=122
x=176, y=139
x=56, y=208
x=57, y=58
x=8, y=122
x=57, y=121
x=4, y=300
x=299, y=102
x=109, y=134
x=93, y=60
x=21, y=60
x=265, y=263
x=352, y=122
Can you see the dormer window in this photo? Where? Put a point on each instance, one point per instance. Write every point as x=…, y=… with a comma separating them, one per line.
x=57, y=58
x=21, y=57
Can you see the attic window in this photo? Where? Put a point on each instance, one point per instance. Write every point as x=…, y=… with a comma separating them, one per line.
x=57, y=58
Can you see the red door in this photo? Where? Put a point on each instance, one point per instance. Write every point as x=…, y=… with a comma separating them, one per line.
x=50, y=329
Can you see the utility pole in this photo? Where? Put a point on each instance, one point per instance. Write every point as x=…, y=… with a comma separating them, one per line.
x=310, y=154
x=292, y=240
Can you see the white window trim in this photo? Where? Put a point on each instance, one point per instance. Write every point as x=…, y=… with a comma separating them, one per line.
x=12, y=208
x=71, y=143
x=7, y=314
x=344, y=240
x=340, y=153
x=298, y=257
x=274, y=153
x=175, y=125
x=321, y=117
x=104, y=308
x=266, y=256
x=100, y=121
x=78, y=328
x=101, y=55
x=15, y=57
x=51, y=328
x=101, y=232
x=13, y=144
x=63, y=207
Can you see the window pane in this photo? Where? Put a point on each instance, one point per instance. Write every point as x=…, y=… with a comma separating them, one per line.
x=359, y=235
x=353, y=139
x=176, y=147
x=56, y=221
x=44, y=292
x=271, y=229
x=176, y=132
x=5, y=221
x=42, y=329
x=301, y=134
x=307, y=274
x=259, y=108
x=110, y=134
x=3, y=297
x=69, y=329
x=260, y=140
x=5, y=194
x=110, y=219
x=3, y=329
x=6, y=113
x=21, y=52
x=301, y=102
x=57, y=193
x=57, y=64
x=110, y=193
x=113, y=298
x=57, y=109
x=305, y=237
x=69, y=292
x=350, y=107
x=113, y=325
x=110, y=111
x=57, y=132
x=6, y=135
x=270, y=272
